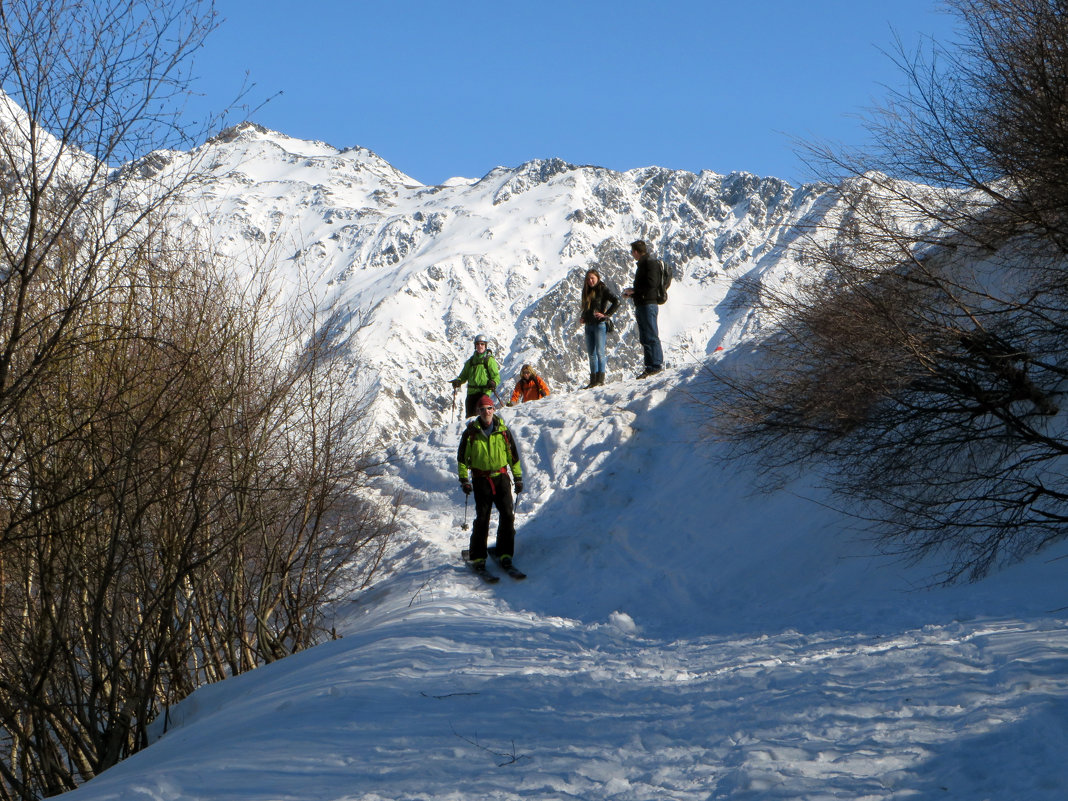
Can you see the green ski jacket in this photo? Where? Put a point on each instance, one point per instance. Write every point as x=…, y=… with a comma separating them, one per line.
x=478, y=372
x=486, y=455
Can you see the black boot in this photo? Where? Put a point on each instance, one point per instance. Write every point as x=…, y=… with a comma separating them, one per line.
x=600, y=379
x=593, y=381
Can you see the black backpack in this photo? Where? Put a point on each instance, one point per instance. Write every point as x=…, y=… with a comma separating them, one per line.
x=665, y=282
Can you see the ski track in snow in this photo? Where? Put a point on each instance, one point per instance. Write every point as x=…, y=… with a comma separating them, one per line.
x=678, y=638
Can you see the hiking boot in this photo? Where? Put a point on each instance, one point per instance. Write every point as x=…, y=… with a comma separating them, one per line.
x=649, y=371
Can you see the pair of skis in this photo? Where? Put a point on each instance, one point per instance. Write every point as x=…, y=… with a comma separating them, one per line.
x=486, y=575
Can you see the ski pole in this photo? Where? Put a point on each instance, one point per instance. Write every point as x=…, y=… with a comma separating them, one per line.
x=467, y=499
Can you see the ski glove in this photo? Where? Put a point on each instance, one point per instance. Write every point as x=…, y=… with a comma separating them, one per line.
x=457, y=384
x=466, y=487
x=492, y=385
x=518, y=486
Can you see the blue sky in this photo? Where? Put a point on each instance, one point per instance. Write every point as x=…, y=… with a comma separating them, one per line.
x=442, y=89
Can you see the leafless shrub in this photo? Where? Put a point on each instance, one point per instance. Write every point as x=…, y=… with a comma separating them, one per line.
x=923, y=368
x=181, y=484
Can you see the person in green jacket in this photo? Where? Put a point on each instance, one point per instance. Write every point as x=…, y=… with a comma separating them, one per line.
x=481, y=374
x=487, y=452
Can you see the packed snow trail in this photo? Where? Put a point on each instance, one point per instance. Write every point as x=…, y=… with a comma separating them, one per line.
x=678, y=638
x=441, y=695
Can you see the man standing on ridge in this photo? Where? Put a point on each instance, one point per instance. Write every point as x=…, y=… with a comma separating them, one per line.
x=646, y=310
x=487, y=451
x=481, y=374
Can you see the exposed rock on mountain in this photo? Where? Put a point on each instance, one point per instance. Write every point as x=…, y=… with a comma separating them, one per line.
x=407, y=274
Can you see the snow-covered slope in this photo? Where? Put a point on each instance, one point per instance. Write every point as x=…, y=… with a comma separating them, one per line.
x=677, y=638
x=407, y=274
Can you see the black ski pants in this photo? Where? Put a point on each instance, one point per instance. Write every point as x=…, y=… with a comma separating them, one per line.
x=490, y=491
x=471, y=404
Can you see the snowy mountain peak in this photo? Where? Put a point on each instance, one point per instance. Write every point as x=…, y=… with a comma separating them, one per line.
x=249, y=141
x=251, y=133
x=504, y=255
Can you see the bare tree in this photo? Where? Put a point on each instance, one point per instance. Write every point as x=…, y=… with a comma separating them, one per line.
x=181, y=487
x=186, y=494
x=88, y=86
x=85, y=85
x=923, y=368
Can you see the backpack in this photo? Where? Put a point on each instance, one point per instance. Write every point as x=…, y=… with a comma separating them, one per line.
x=665, y=282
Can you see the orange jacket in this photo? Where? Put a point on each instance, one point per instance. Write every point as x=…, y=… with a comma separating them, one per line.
x=530, y=389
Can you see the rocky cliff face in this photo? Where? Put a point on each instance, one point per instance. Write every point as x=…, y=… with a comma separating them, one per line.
x=404, y=275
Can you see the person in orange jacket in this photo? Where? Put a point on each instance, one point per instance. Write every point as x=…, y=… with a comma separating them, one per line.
x=530, y=386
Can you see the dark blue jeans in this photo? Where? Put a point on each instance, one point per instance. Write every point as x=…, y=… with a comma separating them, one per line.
x=649, y=335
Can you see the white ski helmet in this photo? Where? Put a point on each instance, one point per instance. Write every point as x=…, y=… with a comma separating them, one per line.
x=482, y=338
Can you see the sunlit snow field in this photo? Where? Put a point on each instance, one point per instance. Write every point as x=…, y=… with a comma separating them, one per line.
x=678, y=637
